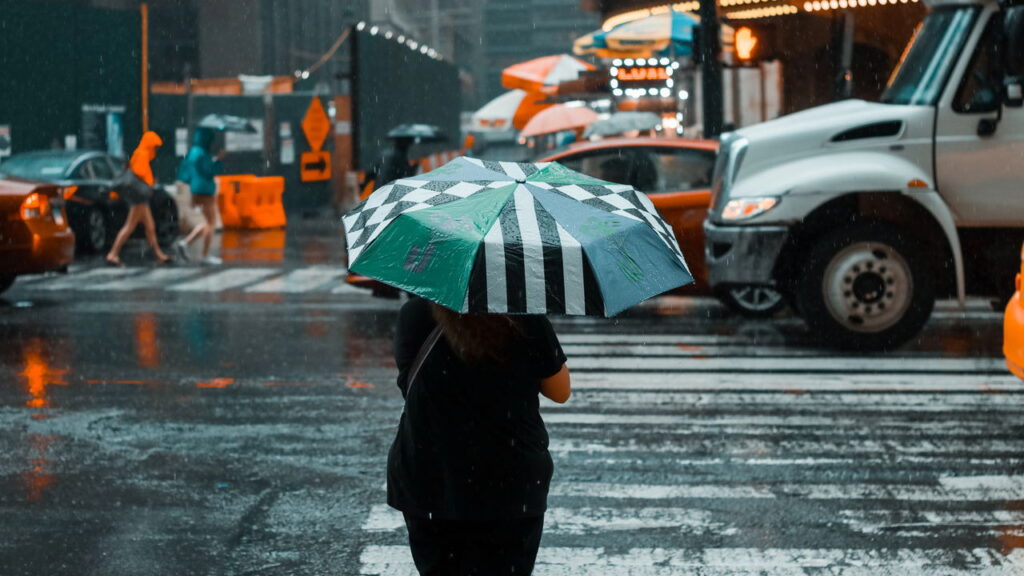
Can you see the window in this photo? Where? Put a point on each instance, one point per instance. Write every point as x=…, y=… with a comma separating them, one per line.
x=84, y=171
x=921, y=73
x=981, y=86
x=609, y=165
x=672, y=169
x=101, y=169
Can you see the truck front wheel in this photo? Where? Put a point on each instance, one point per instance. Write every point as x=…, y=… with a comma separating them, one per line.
x=866, y=287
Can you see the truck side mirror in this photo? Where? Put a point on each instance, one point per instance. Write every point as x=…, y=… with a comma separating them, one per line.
x=1013, y=36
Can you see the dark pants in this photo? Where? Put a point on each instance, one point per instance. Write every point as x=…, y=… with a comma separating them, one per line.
x=463, y=548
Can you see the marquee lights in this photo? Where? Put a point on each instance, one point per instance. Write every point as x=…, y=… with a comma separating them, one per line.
x=642, y=77
x=817, y=5
x=764, y=12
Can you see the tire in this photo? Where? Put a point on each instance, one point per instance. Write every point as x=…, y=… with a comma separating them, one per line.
x=866, y=287
x=6, y=282
x=94, y=234
x=752, y=301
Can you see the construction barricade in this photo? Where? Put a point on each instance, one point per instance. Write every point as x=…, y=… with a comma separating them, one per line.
x=247, y=201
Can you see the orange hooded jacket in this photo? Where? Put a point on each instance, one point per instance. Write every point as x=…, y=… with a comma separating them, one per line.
x=143, y=155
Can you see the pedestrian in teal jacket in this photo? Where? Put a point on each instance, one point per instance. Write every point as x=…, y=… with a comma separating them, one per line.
x=198, y=171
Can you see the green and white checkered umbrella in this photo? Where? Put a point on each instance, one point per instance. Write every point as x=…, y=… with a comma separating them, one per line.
x=514, y=238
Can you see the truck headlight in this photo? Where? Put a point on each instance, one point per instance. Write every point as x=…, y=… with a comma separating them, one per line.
x=743, y=208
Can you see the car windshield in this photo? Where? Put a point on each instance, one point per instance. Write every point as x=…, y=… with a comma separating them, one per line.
x=32, y=167
x=931, y=53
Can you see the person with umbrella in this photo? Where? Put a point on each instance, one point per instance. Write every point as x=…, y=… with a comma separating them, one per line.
x=198, y=170
x=394, y=162
x=489, y=248
x=136, y=192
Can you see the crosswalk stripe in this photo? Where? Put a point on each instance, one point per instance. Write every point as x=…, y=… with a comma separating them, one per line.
x=586, y=520
x=682, y=350
x=741, y=423
x=79, y=280
x=955, y=489
x=378, y=560
x=159, y=278
x=818, y=365
x=858, y=381
x=820, y=402
x=225, y=280
x=891, y=521
x=343, y=288
x=958, y=448
x=301, y=280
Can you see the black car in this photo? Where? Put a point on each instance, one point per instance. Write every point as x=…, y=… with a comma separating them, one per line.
x=93, y=209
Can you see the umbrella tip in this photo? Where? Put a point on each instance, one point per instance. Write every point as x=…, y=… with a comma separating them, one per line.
x=520, y=180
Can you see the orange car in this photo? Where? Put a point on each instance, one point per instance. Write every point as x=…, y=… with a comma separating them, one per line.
x=675, y=173
x=1013, y=326
x=34, y=234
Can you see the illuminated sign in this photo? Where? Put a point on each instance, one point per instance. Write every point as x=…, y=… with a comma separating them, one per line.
x=642, y=77
x=744, y=43
x=642, y=74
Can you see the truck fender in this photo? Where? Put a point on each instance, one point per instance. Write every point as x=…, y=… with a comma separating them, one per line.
x=937, y=207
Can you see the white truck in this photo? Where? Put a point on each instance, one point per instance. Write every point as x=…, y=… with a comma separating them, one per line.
x=863, y=213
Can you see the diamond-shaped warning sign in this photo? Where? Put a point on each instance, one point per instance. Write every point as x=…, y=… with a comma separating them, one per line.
x=316, y=125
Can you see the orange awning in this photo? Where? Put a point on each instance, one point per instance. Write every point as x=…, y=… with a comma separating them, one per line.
x=558, y=118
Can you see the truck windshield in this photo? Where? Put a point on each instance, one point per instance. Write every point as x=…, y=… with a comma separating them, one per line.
x=932, y=52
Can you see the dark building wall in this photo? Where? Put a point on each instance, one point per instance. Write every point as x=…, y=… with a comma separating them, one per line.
x=56, y=57
x=518, y=30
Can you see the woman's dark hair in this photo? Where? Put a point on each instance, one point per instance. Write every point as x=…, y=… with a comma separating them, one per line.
x=478, y=338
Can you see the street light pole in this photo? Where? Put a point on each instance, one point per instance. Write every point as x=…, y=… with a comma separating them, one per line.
x=711, y=68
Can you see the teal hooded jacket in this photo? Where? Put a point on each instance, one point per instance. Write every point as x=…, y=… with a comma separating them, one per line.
x=199, y=166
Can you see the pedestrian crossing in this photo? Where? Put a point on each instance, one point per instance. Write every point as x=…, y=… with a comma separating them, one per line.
x=796, y=462
x=315, y=279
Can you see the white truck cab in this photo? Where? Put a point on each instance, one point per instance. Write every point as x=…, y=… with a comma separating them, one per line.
x=864, y=213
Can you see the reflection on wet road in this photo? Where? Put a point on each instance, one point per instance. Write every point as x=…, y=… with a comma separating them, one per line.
x=231, y=430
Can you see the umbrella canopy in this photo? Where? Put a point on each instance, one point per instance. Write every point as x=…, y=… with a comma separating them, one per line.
x=511, y=110
x=510, y=238
x=545, y=72
x=227, y=123
x=423, y=132
x=669, y=32
x=558, y=118
x=622, y=122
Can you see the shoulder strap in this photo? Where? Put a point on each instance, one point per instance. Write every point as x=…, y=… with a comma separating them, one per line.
x=421, y=357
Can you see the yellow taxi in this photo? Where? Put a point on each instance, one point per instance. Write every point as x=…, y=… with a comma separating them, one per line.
x=1013, y=327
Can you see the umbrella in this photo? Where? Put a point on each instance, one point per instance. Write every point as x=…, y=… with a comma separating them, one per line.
x=558, y=118
x=623, y=122
x=423, y=132
x=510, y=110
x=545, y=72
x=671, y=31
x=510, y=238
x=227, y=123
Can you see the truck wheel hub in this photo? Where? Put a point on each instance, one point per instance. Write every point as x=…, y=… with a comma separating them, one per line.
x=867, y=287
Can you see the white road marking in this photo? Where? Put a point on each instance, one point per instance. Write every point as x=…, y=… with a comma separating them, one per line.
x=734, y=424
x=80, y=280
x=225, y=280
x=856, y=382
x=955, y=449
x=344, y=288
x=818, y=365
x=901, y=522
x=565, y=561
x=155, y=279
x=819, y=402
x=301, y=280
x=587, y=520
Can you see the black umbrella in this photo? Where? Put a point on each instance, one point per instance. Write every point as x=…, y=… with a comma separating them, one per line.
x=227, y=123
x=421, y=132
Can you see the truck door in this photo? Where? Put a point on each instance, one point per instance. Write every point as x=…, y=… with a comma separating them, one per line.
x=980, y=175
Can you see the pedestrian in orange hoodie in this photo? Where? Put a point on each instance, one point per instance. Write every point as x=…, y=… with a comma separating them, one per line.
x=138, y=210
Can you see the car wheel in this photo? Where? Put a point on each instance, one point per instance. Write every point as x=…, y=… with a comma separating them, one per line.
x=93, y=234
x=752, y=301
x=866, y=287
x=6, y=281
x=167, y=226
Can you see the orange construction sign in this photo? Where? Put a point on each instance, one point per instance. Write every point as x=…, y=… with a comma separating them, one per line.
x=315, y=166
x=316, y=125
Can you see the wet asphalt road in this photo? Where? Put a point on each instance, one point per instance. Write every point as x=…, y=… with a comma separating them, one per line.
x=236, y=421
